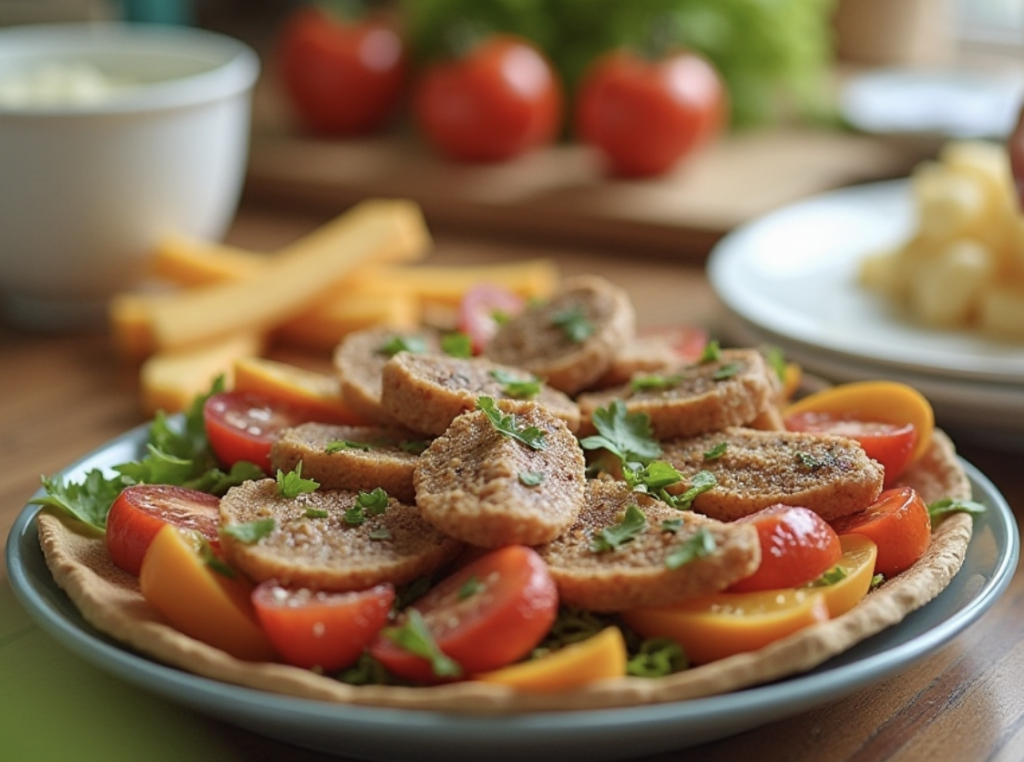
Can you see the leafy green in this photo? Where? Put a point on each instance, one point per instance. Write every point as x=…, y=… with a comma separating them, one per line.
x=829, y=577
x=339, y=445
x=632, y=523
x=946, y=506
x=250, y=532
x=517, y=388
x=627, y=435
x=657, y=657
x=290, y=485
x=717, y=451
x=415, y=637
x=372, y=503
x=88, y=501
x=655, y=382
x=701, y=482
x=413, y=343
x=507, y=424
x=531, y=478
x=574, y=323
x=701, y=544
x=457, y=344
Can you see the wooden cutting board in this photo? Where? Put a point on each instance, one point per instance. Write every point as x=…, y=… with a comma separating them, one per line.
x=560, y=194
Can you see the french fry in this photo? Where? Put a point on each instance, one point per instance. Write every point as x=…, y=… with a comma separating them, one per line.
x=171, y=380
x=325, y=326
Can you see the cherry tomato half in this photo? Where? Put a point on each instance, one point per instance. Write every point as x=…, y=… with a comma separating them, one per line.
x=341, y=77
x=319, y=629
x=486, y=615
x=482, y=311
x=142, y=510
x=496, y=102
x=245, y=425
x=891, y=444
x=898, y=523
x=645, y=115
x=797, y=546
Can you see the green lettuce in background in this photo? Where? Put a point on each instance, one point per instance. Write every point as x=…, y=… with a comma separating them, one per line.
x=775, y=55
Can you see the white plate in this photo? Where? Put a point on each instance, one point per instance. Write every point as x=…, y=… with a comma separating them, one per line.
x=584, y=736
x=793, y=273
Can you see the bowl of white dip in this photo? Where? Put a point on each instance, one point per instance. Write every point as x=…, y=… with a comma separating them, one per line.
x=111, y=135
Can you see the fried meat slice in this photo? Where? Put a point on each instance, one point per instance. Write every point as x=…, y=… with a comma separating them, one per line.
x=675, y=555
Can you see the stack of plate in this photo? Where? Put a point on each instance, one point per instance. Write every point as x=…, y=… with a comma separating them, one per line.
x=790, y=279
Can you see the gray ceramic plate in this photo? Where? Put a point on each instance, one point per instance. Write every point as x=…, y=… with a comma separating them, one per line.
x=388, y=734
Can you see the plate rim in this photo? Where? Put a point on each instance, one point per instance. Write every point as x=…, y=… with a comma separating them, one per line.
x=615, y=733
x=888, y=195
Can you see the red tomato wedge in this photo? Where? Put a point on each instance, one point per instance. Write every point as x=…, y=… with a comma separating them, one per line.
x=482, y=311
x=797, y=546
x=142, y=510
x=242, y=426
x=486, y=615
x=891, y=444
x=898, y=523
x=319, y=629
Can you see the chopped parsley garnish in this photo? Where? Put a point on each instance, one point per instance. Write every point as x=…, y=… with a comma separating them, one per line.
x=457, y=344
x=316, y=513
x=415, y=638
x=632, y=523
x=627, y=435
x=415, y=446
x=290, y=485
x=517, y=388
x=574, y=323
x=701, y=482
x=531, y=478
x=250, y=532
x=339, y=445
x=946, y=506
x=380, y=534
x=776, y=361
x=469, y=588
x=877, y=580
x=372, y=503
x=701, y=544
x=807, y=460
x=712, y=352
x=830, y=577
x=671, y=526
x=507, y=424
x=655, y=383
x=415, y=344
x=657, y=657
x=212, y=560
x=717, y=451
x=728, y=370
x=177, y=453
x=652, y=479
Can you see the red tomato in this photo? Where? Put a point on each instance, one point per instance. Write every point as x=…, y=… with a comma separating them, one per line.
x=489, y=613
x=482, y=310
x=319, y=629
x=498, y=101
x=244, y=425
x=645, y=115
x=797, y=545
x=687, y=341
x=142, y=510
x=341, y=77
x=898, y=523
x=891, y=444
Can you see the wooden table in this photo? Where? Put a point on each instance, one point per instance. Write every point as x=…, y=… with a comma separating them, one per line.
x=62, y=396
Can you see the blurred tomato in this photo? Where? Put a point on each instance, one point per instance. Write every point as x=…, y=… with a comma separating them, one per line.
x=498, y=101
x=645, y=115
x=342, y=77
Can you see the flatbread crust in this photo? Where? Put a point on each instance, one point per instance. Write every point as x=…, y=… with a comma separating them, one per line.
x=110, y=600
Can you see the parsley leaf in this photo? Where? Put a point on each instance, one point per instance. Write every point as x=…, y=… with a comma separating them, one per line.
x=517, y=388
x=574, y=323
x=655, y=383
x=457, y=344
x=531, y=478
x=726, y=371
x=372, y=503
x=946, y=506
x=776, y=361
x=657, y=657
x=396, y=344
x=470, y=587
x=507, y=425
x=88, y=501
x=339, y=445
x=627, y=435
x=829, y=577
x=291, y=484
x=250, y=532
x=712, y=352
x=701, y=544
x=632, y=523
x=415, y=638
x=717, y=451
x=701, y=482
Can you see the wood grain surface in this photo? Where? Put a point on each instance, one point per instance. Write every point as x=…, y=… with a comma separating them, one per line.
x=62, y=396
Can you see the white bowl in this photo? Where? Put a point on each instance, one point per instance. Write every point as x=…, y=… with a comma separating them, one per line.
x=88, y=185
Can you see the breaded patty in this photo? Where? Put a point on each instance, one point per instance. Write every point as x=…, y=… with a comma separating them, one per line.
x=332, y=552
x=427, y=392
x=570, y=340
x=351, y=457
x=733, y=390
x=831, y=475
x=654, y=353
x=360, y=357
x=637, y=572
x=489, y=489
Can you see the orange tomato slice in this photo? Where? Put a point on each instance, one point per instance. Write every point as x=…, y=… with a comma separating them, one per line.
x=878, y=401
x=858, y=565
x=598, y=657
x=716, y=626
x=200, y=602
x=308, y=389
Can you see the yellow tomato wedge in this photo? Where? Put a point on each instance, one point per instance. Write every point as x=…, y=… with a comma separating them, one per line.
x=307, y=388
x=858, y=565
x=200, y=602
x=723, y=624
x=879, y=401
x=792, y=375
x=598, y=657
